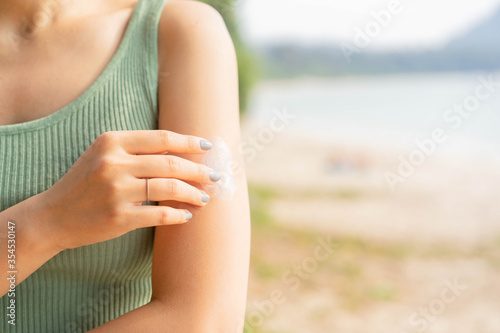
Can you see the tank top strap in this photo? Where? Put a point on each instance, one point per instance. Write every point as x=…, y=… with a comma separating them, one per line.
x=144, y=41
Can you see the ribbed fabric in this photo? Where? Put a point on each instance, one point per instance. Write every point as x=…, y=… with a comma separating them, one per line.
x=82, y=288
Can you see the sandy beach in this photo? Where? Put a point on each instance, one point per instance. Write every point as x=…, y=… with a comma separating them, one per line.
x=402, y=247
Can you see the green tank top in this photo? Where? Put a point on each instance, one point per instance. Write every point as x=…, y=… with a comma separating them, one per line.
x=82, y=288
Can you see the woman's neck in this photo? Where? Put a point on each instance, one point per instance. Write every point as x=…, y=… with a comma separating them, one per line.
x=41, y=10
x=23, y=22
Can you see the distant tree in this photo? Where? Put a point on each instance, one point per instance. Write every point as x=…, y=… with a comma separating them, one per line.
x=247, y=65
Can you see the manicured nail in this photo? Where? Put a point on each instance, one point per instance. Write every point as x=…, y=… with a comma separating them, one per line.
x=205, y=197
x=188, y=215
x=214, y=176
x=205, y=145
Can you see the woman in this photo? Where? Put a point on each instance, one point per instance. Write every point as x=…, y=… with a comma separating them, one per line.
x=105, y=105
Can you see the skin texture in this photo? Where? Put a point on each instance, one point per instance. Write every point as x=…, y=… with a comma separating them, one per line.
x=200, y=268
x=77, y=44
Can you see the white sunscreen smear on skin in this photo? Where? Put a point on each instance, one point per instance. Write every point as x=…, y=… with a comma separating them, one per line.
x=219, y=159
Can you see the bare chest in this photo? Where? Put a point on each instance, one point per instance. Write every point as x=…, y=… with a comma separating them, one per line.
x=49, y=72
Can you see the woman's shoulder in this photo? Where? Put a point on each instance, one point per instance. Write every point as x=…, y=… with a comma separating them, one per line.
x=189, y=12
x=193, y=23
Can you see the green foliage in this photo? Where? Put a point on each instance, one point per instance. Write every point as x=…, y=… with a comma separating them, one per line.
x=382, y=293
x=247, y=64
x=259, y=206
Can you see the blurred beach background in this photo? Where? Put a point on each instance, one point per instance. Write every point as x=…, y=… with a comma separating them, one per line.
x=371, y=136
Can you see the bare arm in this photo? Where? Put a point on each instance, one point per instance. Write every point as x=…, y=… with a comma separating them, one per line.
x=200, y=269
x=24, y=243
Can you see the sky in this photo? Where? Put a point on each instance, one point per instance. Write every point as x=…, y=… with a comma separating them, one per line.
x=412, y=24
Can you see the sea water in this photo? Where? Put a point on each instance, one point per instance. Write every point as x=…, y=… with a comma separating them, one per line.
x=392, y=111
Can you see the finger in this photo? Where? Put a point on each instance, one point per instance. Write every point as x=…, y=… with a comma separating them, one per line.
x=161, y=141
x=143, y=216
x=169, y=166
x=161, y=189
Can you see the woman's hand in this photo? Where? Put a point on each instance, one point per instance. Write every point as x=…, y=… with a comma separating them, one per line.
x=101, y=196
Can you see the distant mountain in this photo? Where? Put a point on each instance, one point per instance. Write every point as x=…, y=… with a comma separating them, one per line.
x=476, y=49
x=484, y=36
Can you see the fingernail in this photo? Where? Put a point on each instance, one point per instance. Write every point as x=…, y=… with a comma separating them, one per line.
x=205, y=145
x=204, y=197
x=214, y=176
x=189, y=215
